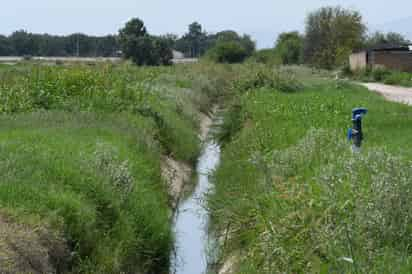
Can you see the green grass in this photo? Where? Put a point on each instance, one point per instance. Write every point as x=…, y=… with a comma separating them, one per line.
x=289, y=195
x=93, y=179
x=80, y=150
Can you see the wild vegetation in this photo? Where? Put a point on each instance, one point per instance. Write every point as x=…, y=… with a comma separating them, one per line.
x=80, y=151
x=383, y=75
x=290, y=196
x=80, y=158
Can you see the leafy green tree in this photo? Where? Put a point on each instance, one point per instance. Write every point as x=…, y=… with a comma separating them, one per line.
x=194, y=43
x=134, y=41
x=228, y=52
x=332, y=33
x=170, y=39
x=162, y=51
x=289, y=47
x=380, y=38
x=23, y=43
x=248, y=44
x=231, y=36
x=195, y=37
x=6, y=48
x=142, y=48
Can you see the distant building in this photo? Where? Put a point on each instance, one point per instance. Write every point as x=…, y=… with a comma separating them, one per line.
x=179, y=58
x=178, y=55
x=397, y=57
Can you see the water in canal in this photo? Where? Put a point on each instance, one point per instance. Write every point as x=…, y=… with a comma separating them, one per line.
x=192, y=219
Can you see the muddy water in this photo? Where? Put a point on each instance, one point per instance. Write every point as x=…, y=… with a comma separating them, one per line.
x=191, y=219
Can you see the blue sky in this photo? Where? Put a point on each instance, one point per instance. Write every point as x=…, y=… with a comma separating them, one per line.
x=263, y=19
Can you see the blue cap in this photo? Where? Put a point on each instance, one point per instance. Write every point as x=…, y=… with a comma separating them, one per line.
x=358, y=113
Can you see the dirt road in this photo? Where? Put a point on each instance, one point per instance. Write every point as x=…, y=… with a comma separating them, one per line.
x=392, y=93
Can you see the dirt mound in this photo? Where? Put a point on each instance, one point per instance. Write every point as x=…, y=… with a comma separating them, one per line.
x=30, y=249
x=176, y=174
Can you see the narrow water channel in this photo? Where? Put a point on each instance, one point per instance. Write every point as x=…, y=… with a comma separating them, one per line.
x=192, y=219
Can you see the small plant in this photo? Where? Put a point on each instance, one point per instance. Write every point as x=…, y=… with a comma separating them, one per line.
x=281, y=80
x=107, y=161
x=380, y=74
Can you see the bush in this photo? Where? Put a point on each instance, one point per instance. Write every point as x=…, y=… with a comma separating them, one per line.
x=266, y=56
x=384, y=75
x=379, y=74
x=228, y=52
x=280, y=80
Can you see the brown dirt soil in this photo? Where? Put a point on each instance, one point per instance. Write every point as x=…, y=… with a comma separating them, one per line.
x=177, y=174
x=392, y=93
x=30, y=249
x=229, y=266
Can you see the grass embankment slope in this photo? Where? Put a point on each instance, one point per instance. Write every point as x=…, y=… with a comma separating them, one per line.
x=80, y=151
x=289, y=195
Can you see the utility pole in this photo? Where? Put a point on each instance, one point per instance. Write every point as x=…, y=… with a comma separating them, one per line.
x=78, y=46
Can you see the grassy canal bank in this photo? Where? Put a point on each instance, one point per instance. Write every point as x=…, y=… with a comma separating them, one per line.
x=80, y=158
x=290, y=197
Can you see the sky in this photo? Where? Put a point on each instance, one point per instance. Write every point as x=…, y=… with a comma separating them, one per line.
x=263, y=19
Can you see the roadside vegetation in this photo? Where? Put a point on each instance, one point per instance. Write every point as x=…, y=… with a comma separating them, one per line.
x=290, y=196
x=382, y=75
x=80, y=151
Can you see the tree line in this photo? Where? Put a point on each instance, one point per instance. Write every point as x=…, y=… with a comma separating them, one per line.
x=144, y=49
x=21, y=43
x=134, y=42
x=331, y=35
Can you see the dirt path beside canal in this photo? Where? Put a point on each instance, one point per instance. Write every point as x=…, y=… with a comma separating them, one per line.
x=392, y=93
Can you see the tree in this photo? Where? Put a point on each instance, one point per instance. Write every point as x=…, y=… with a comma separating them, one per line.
x=232, y=36
x=228, y=52
x=133, y=41
x=6, y=48
x=142, y=48
x=380, y=38
x=162, y=51
x=23, y=43
x=289, y=47
x=332, y=33
x=194, y=37
x=194, y=42
x=248, y=44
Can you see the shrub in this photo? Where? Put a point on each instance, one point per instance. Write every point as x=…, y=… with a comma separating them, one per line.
x=281, y=80
x=380, y=74
x=266, y=56
x=227, y=52
x=384, y=75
